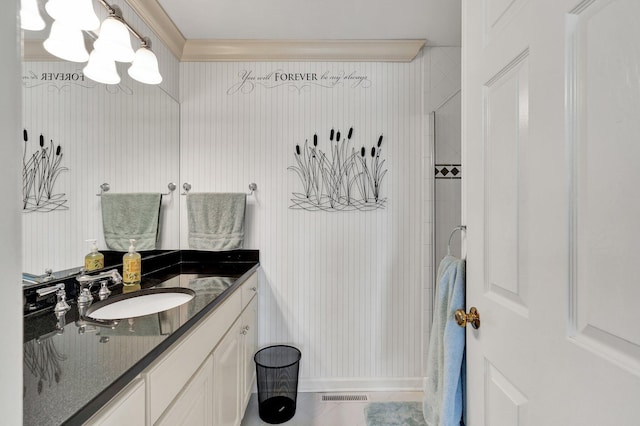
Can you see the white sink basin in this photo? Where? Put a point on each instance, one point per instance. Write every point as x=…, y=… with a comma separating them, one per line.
x=139, y=303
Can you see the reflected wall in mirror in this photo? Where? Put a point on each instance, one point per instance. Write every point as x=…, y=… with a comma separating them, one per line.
x=125, y=135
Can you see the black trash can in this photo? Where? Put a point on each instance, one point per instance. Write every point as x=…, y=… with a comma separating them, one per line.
x=277, y=376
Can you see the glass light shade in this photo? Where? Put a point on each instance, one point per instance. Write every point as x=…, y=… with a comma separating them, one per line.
x=66, y=43
x=145, y=67
x=101, y=68
x=114, y=40
x=30, y=18
x=78, y=13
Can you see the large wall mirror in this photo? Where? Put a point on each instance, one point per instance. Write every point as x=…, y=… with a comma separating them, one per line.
x=78, y=135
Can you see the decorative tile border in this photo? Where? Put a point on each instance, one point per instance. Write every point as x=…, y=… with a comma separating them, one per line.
x=448, y=171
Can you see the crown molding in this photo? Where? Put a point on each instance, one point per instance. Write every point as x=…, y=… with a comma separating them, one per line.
x=154, y=15
x=157, y=19
x=301, y=50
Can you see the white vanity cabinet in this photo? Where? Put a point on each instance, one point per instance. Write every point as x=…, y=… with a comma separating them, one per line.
x=193, y=406
x=249, y=319
x=127, y=407
x=205, y=378
x=234, y=370
x=226, y=386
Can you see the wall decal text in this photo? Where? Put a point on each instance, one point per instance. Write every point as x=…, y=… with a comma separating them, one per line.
x=248, y=81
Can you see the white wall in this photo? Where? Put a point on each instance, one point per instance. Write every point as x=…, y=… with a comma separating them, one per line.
x=346, y=287
x=10, y=250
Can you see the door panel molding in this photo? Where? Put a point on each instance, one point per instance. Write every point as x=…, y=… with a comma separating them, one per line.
x=602, y=103
x=506, y=118
x=505, y=404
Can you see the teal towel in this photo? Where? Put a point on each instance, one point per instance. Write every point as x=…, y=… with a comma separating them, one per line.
x=443, y=388
x=134, y=215
x=216, y=220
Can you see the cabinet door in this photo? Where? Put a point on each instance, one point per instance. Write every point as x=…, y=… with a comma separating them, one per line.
x=226, y=373
x=192, y=407
x=249, y=320
x=125, y=408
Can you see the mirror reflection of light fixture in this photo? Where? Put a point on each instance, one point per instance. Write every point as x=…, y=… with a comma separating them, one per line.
x=101, y=68
x=66, y=43
x=145, y=65
x=78, y=13
x=114, y=40
x=113, y=43
x=30, y=18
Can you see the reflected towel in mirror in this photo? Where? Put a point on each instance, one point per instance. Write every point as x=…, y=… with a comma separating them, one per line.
x=133, y=215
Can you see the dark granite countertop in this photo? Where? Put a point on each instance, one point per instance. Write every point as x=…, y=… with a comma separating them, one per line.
x=70, y=373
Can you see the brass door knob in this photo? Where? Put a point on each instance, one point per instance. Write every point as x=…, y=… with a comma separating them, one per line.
x=472, y=317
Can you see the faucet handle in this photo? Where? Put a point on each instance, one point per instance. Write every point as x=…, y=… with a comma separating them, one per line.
x=104, y=290
x=45, y=291
x=116, y=277
x=62, y=306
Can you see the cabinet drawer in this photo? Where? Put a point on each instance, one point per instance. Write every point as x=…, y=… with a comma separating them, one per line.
x=249, y=289
x=168, y=376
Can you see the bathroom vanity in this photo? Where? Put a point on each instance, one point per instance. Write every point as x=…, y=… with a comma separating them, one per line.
x=191, y=363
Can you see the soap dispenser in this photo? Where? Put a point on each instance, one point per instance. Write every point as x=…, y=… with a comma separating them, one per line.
x=94, y=260
x=131, y=266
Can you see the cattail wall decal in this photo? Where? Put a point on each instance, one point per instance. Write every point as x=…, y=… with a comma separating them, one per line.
x=329, y=176
x=39, y=175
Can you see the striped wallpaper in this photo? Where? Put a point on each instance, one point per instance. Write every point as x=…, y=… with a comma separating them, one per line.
x=346, y=287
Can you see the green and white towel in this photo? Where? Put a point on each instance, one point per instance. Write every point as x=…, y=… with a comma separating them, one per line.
x=132, y=215
x=216, y=220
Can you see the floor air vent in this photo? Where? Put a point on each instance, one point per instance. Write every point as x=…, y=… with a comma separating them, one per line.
x=344, y=398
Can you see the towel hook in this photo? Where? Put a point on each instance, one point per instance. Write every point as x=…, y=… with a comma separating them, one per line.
x=457, y=228
x=187, y=187
x=252, y=187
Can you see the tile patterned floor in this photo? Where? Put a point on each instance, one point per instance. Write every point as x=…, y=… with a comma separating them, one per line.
x=312, y=411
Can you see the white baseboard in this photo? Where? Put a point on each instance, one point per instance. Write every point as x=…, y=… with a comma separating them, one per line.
x=361, y=384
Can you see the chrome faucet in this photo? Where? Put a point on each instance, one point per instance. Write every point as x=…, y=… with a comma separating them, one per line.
x=113, y=274
x=85, y=298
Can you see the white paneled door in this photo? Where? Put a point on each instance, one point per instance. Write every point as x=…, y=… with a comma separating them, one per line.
x=551, y=125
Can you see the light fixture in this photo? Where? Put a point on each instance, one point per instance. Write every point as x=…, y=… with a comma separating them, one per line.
x=66, y=43
x=101, y=68
x=145, y=65
x=114, y=40
x=78, y=13
x=30, y=18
